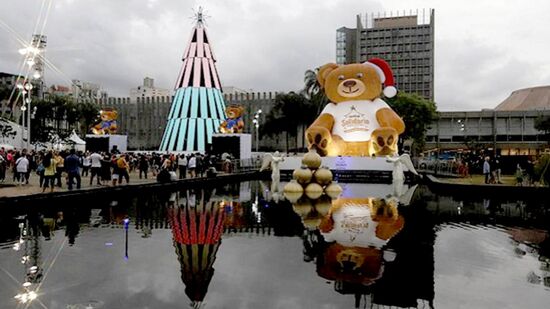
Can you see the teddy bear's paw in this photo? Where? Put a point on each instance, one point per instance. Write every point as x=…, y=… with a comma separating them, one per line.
x=318, y=137
x=384, y=141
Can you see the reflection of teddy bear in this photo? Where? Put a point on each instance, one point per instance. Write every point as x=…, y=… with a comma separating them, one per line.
x=358, y=228
x=357, y=122
x=361, y=222
x=234, y=122
x=108, y=122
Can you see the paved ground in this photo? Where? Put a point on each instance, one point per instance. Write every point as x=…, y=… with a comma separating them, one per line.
x=33, y=187
x=480, y=179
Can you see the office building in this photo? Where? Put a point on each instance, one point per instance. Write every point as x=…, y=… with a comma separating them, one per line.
x=148, y=89
x=405, y=41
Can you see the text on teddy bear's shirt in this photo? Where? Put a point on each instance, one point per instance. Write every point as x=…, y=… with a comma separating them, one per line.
x=354, y=121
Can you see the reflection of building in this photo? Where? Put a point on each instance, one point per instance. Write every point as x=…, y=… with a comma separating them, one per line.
x=197, y=226
x=406, y=42
x=148, y=89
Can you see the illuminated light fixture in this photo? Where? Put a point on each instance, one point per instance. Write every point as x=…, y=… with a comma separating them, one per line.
x=28, y=86
x=28, y=100
x=30, y=62
x=19, y=86
x=27, y=284
x=36, y=75
x=22, y=51
x=23, y=108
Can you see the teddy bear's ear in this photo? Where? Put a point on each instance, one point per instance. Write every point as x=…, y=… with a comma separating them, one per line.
x=323, y=72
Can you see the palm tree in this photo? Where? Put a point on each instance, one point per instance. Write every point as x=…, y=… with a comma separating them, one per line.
x=313, y=90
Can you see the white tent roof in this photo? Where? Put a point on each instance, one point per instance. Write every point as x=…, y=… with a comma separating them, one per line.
x=76, y=139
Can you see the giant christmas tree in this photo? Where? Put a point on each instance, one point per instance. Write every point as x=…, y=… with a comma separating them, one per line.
x=198, y=107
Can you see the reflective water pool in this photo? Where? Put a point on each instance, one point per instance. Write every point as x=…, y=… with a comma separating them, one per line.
x=240, y=247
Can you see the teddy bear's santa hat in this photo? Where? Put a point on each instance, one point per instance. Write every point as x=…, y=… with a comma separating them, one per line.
x=386, y=75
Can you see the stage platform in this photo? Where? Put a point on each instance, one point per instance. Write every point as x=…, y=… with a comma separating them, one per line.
x=347, y=169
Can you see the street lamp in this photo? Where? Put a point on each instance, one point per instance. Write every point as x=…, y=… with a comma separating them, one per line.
x=256, y=122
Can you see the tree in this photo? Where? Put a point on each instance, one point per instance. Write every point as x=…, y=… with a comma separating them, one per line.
x=290, y=114
x=417, y=113
x=59, y=115
x=313, y=91
x=542, y=123
x=6, y=130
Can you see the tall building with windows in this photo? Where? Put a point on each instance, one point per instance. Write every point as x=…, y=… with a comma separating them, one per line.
x=148, y=89
x=405, y=41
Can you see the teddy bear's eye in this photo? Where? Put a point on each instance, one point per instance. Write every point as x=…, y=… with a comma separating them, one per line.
x=359, y=75
x=341, y=77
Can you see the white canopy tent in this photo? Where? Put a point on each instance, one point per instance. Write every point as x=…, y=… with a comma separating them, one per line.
x=79, y=144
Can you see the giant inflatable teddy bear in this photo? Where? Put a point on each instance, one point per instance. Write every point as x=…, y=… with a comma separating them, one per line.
x=357, y=122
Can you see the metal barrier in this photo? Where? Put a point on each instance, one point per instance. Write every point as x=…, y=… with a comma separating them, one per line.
x=438, y=167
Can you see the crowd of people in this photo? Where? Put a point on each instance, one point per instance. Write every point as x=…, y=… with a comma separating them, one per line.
x=56, y=168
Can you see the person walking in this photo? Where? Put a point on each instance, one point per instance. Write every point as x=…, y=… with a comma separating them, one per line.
x=182, y=166
x=60, y=167
x=192, y=166
x=487, y=170
x=21, y=168
x=86, y=164
x=143, y=165
x=50, y=170
x=95, y=167
x=105, y=170
x=497, y=171
x=71, y=166
x=519, y=175
x=123, y=167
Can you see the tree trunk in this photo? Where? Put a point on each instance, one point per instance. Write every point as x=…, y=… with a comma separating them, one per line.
x=286, y=135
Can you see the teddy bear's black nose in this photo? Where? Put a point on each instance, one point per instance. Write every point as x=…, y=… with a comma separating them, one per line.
x=349, y=83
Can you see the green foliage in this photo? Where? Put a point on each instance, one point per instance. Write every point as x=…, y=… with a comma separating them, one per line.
x=290, y=112
x=417, y=113
x=6, y=130
x=542, y=123
x=542, y=170
x=60, y=115
x=313, y=90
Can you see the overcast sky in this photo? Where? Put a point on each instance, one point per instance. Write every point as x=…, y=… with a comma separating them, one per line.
x=483, y=51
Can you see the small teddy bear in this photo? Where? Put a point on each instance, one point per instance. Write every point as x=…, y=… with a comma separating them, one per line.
x=357, y=122
x=108, y=123
x=234, y=122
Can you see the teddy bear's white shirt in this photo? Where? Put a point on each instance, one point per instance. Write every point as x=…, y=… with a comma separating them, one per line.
x=354, y=121
x=353, y=226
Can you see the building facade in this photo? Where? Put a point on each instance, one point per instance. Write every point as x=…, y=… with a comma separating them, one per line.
x=148, y=89
x=83, y=91
x=504, y=133
x=144, y=119
x=406, y=42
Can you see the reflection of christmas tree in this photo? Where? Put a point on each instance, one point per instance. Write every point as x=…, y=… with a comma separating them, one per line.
x=196, y=230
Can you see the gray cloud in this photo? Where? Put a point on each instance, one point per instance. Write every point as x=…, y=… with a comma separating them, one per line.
x=483, y=52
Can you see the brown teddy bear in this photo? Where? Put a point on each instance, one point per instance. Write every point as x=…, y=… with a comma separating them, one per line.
x=356, y=122
x=234, y=122
x=108, y=123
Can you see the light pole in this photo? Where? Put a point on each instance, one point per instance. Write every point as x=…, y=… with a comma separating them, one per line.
x=256, y=122
x=26, y=91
